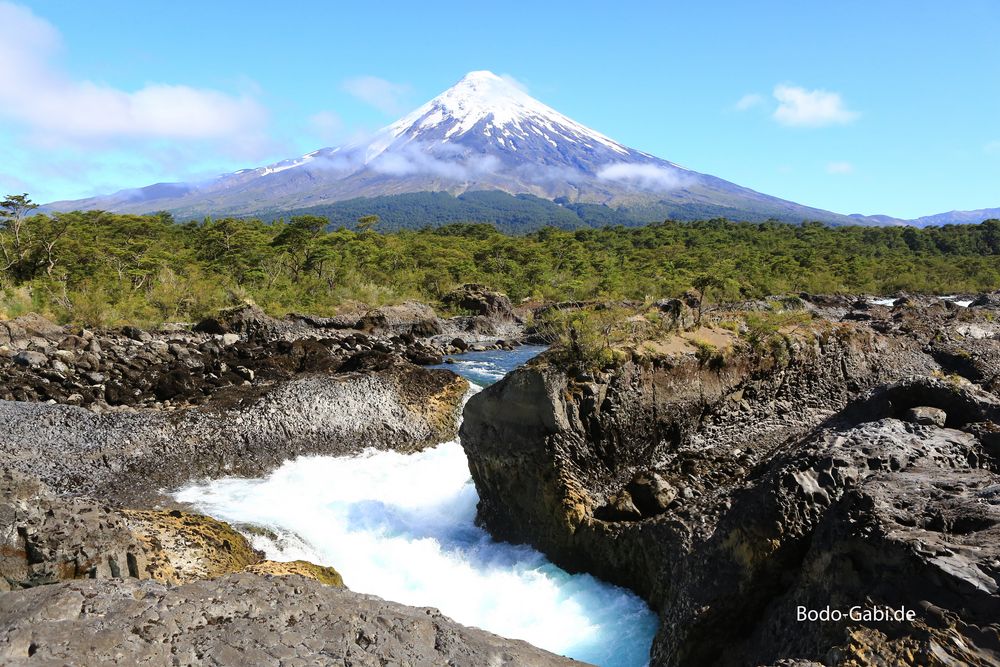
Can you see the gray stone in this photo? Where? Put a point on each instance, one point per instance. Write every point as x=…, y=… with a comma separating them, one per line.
x=927, y=416
x=93, y=377
x=30, y=358
x=651, y=493
x=240, y=619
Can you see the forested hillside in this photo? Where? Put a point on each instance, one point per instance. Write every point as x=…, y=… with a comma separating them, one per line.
x=511, y=214
x=101, y=268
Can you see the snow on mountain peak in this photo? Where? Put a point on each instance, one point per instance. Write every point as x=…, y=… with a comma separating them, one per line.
x=498, y=107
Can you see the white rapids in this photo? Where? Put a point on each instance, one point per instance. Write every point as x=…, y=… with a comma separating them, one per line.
x=402, y=527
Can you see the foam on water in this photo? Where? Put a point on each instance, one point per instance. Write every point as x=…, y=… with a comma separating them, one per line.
x=402, y=527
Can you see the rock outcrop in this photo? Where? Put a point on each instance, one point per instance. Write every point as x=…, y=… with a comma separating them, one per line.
x=241, y=619
x=730, y=489
x=482, y=301
x=46, y=538
x=127, y=456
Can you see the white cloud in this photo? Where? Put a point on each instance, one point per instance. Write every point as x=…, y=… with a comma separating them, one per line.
x=443, y=162
x=839, y=168
x=37, y=93
x=749, y=101
x=810, y=108
x=645, y=176
x=386, y=96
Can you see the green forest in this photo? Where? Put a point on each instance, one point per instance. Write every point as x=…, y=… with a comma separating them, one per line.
x=514, y=214
x=100, y=269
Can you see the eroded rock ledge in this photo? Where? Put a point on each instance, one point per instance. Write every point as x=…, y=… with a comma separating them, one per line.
x=854, y=468
x=241, y=619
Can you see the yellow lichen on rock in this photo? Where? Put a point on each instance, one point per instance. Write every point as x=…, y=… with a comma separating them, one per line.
x=183, y=546
x=321, y=573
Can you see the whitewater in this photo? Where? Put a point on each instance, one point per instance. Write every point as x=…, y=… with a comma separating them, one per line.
x=402, y=526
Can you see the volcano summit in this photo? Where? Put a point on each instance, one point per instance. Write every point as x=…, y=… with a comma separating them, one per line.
x=483, y=133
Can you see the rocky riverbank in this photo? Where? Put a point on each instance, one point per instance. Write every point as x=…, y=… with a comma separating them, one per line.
x=847, y=460
x=228, y=356
x=100, y=566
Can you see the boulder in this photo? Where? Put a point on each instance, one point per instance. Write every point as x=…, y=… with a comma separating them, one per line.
x=136, y=333
x=412, y=318
x=651, y=493
x=481, y=300
x=30, y=358
x=989, y=300
x=927, y=416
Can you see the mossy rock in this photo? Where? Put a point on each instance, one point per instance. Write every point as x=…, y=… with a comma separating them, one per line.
x=321, y=573
x=184, y=546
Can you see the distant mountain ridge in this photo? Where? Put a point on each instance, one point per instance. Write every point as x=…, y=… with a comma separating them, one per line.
x=482, y=134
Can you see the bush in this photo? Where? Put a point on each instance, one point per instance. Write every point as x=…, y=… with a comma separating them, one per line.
x=587, y=337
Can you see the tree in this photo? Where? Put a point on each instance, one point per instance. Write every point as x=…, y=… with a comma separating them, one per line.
x=14, y=244
x=367, y=222
x=299, y=240
x=703, y=282
x=47, y=231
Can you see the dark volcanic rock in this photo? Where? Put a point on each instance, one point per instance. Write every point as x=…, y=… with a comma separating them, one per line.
x=241, y=619
x=546, y=451
x=729, y=496
x=46, y=538
x=177, y=368
x=876, y=514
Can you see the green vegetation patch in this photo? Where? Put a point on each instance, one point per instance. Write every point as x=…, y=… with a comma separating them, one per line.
x=99, y=269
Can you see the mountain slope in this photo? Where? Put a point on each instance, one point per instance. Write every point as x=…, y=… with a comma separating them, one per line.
x=958, y=217
x=483, y=133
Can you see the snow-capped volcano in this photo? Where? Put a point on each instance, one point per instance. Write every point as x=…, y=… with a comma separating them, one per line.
x=483, y=133
x=486, y=133
x=485, y=106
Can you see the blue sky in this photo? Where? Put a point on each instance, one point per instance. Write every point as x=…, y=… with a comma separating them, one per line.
x=873, y=107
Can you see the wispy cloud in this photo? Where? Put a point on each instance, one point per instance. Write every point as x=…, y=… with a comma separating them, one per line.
x=37, y=93
x=992, y=147
x=798, y=106
x=749, y=101
x=386, y=96
x=441, y=161
x=644, y=176
x=839, y=168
